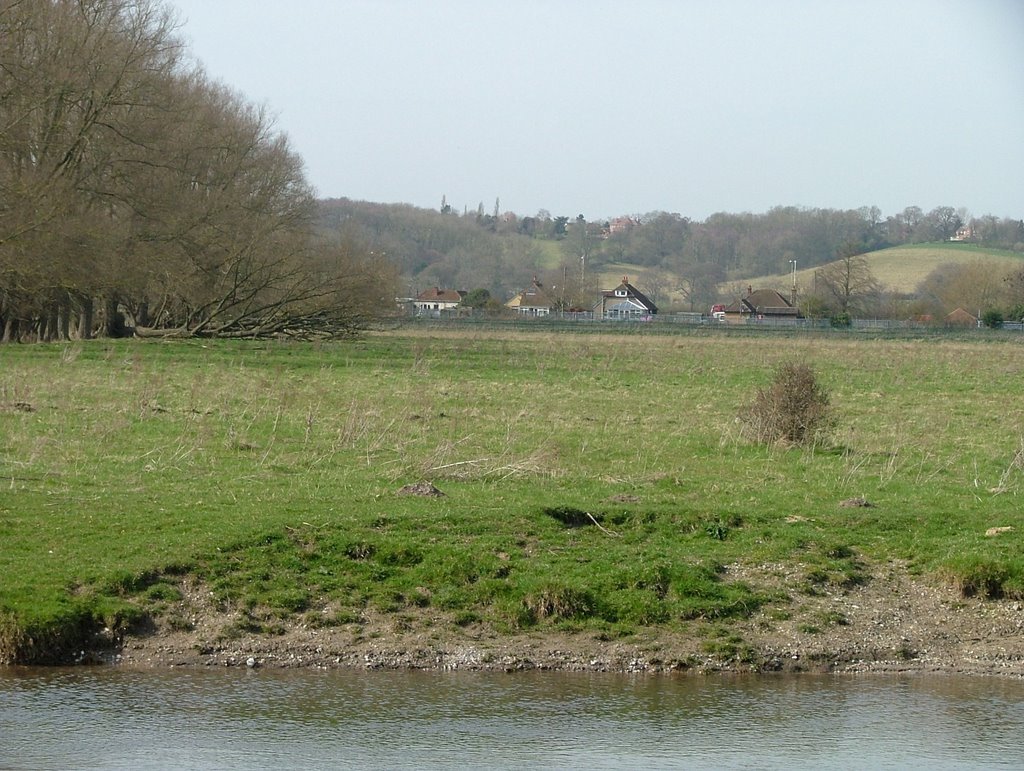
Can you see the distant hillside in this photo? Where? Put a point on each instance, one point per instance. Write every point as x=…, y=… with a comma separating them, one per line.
x=679, y=263
x=902, y=268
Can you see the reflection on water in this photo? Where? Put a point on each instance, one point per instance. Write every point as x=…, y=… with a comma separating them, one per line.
x=110, y=718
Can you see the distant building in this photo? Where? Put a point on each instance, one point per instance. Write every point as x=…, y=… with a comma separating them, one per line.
x=621, y=225
x=431, y=302
x=760, y=305
x=533, y=301
x=624, y=302
x=961, y=318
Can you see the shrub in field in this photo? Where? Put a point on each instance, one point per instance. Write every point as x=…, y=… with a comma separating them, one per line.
x=992, y=318
x=840, y=320
x=793, y=408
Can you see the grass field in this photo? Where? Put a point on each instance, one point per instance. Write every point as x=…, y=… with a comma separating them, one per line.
x=902, y=268
x=899, y=269
x=591, y=482
x=551, y=254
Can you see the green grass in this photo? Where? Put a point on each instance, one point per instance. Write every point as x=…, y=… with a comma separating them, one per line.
x=551, y=253
x=898, y=269
x=270, y=473
x=902, y=268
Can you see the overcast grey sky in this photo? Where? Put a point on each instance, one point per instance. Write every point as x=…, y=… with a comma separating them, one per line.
x=607, y=108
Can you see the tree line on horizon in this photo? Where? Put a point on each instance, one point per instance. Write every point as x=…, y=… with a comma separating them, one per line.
x=495, y=254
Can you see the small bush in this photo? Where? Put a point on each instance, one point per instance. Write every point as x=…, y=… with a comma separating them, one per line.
x=794, y=408
x=992, y=318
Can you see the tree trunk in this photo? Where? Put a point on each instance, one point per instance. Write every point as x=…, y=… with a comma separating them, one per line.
x=113, y=321
x=180, y=333
x=48, y=323
x=85, y=315
x=64, y=318
x=10, y=329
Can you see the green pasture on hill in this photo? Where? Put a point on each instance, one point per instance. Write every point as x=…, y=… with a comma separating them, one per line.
x=903, y=268
x=592, y=482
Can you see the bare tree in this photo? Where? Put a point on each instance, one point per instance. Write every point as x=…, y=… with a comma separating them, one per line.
x=75, y=76
x=847, y=286
x=655, y=284
x=131, y=184
x=974, y=286
x=698, y=284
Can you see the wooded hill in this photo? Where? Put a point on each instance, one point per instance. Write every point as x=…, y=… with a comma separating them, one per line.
x=676, y=261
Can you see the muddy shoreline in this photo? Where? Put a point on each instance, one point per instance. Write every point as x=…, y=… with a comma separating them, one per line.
x=895, y=623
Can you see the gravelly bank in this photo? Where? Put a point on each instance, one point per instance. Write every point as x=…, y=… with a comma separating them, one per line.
x=893, y=623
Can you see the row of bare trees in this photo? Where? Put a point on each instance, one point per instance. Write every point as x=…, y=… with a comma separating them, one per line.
x=134, y=190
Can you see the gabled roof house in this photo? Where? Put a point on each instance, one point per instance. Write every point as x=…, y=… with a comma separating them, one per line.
x=532, y=301
x=434, y=300
x=963, y=318
x=760, y=304
x=624, y=302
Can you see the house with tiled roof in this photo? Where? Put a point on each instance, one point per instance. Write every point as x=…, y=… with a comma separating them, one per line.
x=760, y=305
x=624, y=302
x=431, y=302
x=533, y=301
x=960, y=317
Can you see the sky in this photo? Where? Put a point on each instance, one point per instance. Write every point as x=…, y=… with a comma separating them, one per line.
x=623, y=108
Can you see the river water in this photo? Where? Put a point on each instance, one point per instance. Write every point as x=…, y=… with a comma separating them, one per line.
x=110, y=718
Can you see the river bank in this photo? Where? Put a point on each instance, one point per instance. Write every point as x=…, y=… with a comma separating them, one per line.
x=893, y=623
x=510, y=500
